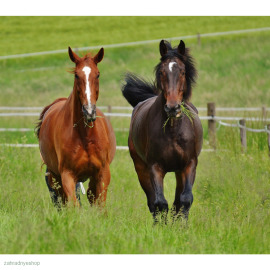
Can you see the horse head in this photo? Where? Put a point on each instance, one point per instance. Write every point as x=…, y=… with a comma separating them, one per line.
x=174, y=75
x=86, y=82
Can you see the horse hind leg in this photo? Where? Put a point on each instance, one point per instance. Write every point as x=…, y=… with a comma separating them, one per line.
x=54, y=191
x=78, y=192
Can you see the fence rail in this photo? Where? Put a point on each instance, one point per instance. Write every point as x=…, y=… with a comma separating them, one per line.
x=129, y=108
x=27, y=145
x=128, y=115
x=21, y=145
x=211, y=118
x=6, y=108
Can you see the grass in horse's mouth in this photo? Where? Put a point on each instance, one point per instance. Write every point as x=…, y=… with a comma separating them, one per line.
x=185, y=111
x=86, y=124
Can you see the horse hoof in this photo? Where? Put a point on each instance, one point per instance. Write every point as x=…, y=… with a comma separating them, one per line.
x=186, y=200
x=161, y=206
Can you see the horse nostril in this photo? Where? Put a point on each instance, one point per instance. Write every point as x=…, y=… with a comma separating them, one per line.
x=172, y=109
x=177, y=107
x=84, y=110
x=89, y=113
x=166, y=108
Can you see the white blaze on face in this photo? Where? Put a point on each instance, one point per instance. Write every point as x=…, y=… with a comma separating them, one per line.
x=171, y=65
x=87, y=71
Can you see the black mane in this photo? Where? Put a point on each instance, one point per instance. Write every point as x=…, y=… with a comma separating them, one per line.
x=191, y=72
x=136, y=89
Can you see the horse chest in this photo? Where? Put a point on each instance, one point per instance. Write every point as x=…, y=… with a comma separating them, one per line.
x=171, y=152
x=84, y=159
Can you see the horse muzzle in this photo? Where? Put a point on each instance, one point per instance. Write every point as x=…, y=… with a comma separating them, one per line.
x=89, y=113
x=172, y=111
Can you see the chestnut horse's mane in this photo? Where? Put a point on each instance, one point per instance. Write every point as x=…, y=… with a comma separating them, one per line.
x=39, y=123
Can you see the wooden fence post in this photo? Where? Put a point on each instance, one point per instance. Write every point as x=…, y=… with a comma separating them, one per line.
x=199, y=39
x=268, y=138
x=211, y=111
x=264, y=113
x=109, y=111
x=243, y=135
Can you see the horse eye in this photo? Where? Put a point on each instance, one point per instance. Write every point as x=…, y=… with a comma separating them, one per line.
x=98, y=76
x=76, y=76
x=162, y=74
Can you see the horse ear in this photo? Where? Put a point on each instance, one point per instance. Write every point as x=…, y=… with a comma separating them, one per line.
x=162, y=48
x=182, y=47
x=73, y=56
x=99, y=56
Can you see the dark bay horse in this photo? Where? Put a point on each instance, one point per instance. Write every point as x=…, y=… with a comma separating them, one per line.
x=76, y=140
x=162, y=138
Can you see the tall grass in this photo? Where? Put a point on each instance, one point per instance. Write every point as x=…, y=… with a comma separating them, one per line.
x=230, y=213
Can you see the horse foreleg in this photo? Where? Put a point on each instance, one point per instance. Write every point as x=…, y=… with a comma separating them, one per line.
x=69, y=185
x=183, y=194
x=98, y=186
x=157, y=176
x=151, y=181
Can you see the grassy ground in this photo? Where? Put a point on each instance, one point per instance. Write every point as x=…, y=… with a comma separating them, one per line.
x=230, y=213
x=34, y=34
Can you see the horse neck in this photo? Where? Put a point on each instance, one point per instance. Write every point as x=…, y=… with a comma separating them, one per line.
x=159, y=105
x=74, y=109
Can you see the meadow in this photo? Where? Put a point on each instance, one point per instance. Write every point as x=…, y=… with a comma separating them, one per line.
x=230, y=213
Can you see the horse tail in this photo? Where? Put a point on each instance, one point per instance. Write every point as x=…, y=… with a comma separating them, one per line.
x=136, y=90
x=40, y=120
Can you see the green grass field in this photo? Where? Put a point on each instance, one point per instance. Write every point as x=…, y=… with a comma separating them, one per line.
x=230, y=213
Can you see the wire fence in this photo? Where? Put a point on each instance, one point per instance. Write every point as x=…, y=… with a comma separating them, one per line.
x=238, y=125
x=129, y=108
x=136, y=43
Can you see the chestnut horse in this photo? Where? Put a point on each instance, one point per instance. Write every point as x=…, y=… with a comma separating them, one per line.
x=162, y=138
x=76, y=140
